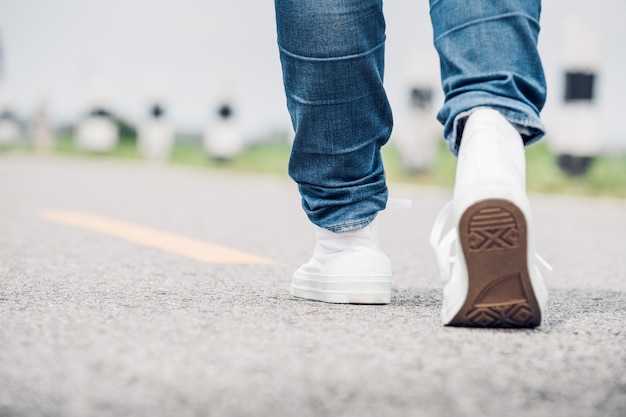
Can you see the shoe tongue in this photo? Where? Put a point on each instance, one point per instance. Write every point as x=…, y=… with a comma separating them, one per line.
x=495, y=146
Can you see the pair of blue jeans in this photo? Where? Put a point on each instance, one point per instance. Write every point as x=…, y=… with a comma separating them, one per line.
x=332, y=56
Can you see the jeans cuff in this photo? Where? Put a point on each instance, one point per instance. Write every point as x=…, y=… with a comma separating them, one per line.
x=530, y=128
x=346, y=227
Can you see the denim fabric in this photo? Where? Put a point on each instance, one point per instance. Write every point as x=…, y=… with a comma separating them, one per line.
x=488, y=55
x=332, y=56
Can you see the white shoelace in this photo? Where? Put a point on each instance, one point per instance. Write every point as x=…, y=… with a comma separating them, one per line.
x=443, y=245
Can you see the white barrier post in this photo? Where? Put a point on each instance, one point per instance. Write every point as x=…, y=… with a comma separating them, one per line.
x=155, y=133
x=576, y=137
x=43, y=136
x=97, y=131
x=223, y=139
x=417, y=139
x=156, y=136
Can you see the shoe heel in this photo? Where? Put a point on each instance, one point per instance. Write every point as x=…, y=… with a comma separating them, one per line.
x=494, y=239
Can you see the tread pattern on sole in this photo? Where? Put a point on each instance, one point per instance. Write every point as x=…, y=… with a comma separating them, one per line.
x=493, y=237
x=493, y=228
x=489, y=311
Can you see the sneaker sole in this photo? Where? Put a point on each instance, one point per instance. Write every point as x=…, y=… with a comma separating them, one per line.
x=355, y=290
x=494, y=239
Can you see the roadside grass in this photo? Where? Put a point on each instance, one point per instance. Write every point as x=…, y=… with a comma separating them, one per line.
x=606, y=176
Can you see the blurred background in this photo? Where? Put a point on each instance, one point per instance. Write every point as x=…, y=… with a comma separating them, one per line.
x=200, y=81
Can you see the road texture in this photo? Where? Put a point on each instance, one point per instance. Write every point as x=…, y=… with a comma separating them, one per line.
x=104, y=310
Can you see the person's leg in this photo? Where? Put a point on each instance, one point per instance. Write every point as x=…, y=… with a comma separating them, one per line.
x=488, y=55
x=494, y=88
x=332, y=55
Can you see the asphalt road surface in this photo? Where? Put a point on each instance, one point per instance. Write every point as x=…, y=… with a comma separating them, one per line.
x=134, y=289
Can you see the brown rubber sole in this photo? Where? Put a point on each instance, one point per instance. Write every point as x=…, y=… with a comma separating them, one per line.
x=494, y=239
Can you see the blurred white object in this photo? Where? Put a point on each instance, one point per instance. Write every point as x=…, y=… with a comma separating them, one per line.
x=155, y=135
x=418, y=143
x=97, y=132
x=418, y=139
x=222, y=138
x=575, y=138
x=43, y=137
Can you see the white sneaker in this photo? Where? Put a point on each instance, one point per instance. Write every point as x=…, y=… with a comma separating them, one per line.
x=346, y=267
x=493, y=279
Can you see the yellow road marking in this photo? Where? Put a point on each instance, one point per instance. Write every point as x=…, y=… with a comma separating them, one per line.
x=169, y=242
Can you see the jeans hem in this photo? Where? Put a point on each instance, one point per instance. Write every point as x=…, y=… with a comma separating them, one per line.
x=528, y=124
x=353, y=225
